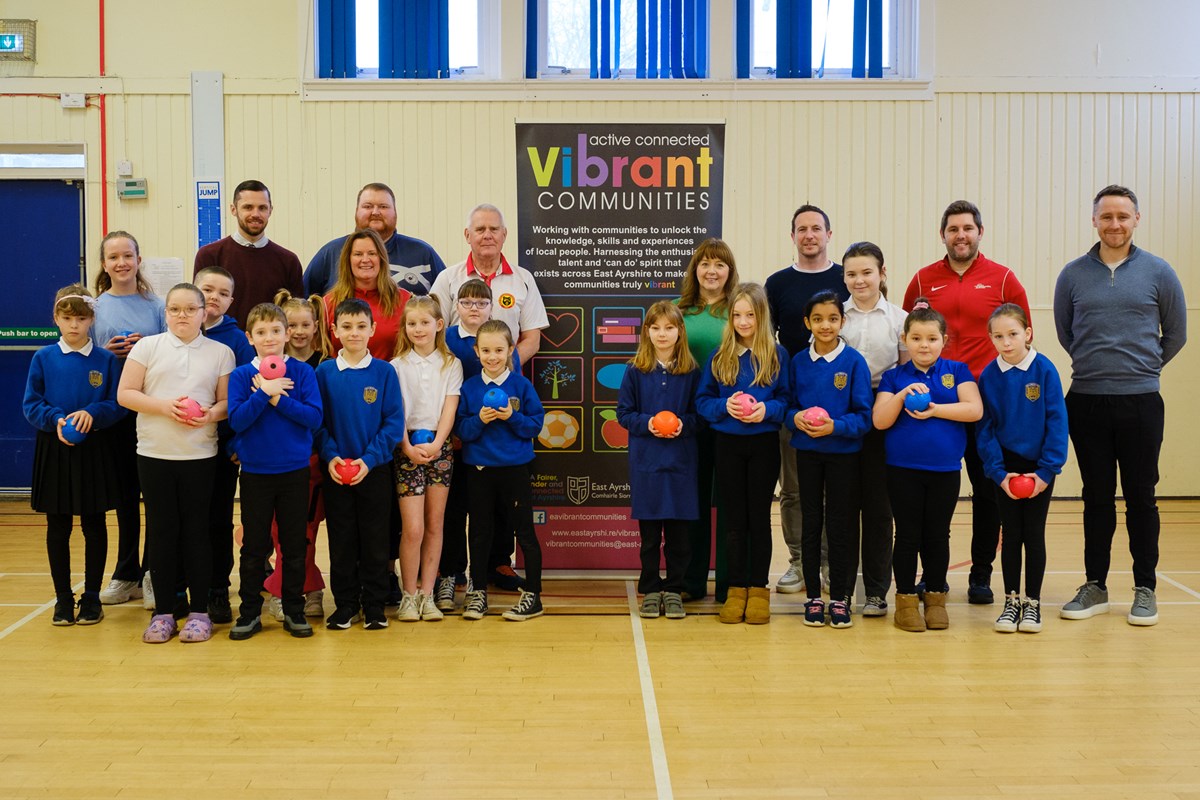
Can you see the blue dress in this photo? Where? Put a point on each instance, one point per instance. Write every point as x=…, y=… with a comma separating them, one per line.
x=662, y=472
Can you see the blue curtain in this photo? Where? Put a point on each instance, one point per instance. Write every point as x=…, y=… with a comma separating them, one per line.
x=414, y=39
x=793, y=39
x=335, y=39
x=867, y=56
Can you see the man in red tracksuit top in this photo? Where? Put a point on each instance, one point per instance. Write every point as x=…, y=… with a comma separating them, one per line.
x=965, y=287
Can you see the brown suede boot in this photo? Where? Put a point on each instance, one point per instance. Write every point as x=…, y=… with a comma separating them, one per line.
x=734, y=609
x=758, y=605
x=908, y=613
x=936, y=618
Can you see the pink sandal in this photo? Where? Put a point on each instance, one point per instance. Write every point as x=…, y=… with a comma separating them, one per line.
x=161, y=629
x=197, y=628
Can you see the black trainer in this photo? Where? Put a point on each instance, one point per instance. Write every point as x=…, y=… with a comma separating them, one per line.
x=219, y=610
x=90, y=610
x=297, y=625
x=374, y=619
x=245, y=627
x=528, y=607
x=64, y=610
x=342, y=618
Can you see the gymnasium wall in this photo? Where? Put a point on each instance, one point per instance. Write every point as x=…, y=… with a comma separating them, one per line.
x=1029, y=108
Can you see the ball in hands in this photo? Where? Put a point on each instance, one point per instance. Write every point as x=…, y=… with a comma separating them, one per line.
x=495, y=398
x=71, y=433
x=272, y=367
x=346, y=470
x=1021, y=486
x=917, y=401
x=815, y=416
x=666, y=423
x=192, y=409
x=421, y=436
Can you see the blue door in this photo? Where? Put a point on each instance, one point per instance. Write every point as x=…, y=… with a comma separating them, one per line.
x=43, y=224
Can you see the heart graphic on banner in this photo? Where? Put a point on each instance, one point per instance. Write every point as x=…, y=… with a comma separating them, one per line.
x=562, y=327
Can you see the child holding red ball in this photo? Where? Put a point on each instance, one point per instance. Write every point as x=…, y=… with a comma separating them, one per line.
x=1022, y=438
x=657, y=406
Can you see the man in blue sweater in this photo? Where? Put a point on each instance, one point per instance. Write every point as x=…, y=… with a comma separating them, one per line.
x=1121, y=316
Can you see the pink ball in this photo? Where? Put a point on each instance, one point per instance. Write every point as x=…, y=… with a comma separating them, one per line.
x=746, y=403
x=272, y=367
x=1021, y=486
x=815, y=415
x=192, y=409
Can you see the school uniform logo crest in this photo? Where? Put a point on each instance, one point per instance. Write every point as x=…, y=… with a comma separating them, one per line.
x=1032, y=392
x=578, y=489
x=370, y=394
x=506, y=301
x=95, y=379
x=948, y=381
x=840, y=380
x=514, y=403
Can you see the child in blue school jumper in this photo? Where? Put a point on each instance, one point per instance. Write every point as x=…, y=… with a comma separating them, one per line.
x=1023, y=433
x=924, y=456
x=498, y=449
x=831, y=376
x=218, y=287
x=743, y=394
x=662, y=377
x=363, y=423
x=274, y=420
x=73, y=382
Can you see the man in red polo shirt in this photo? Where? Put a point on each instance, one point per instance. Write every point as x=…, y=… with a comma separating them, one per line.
x=966, y=287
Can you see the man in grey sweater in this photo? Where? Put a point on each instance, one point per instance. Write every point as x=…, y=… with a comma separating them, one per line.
x=1120, y=315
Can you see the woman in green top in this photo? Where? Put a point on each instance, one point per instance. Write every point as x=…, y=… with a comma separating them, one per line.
x=707, y=286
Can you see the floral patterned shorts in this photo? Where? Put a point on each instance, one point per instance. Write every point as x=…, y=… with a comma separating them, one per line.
x=412, y=479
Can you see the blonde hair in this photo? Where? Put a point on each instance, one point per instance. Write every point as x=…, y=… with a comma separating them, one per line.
x=763, y=356
x=265, y=312
x=646, y=358
x=75, y=301
x=389, y=294
x=315, y=306
x=495, y=326
x=431, y=306
x=689, y=296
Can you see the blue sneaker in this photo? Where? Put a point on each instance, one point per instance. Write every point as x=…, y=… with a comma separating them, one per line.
x=980, y=594
x=839, y=614
x=814, y=613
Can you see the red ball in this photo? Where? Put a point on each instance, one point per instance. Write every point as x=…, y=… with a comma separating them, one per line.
x=347, y=470
x=192, y=409
x=815, y=415
x=747, y=403
x=666, y=423
x=272, y=367
x=1021, y=486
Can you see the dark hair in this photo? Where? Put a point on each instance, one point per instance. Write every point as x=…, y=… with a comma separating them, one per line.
x=352, y=308
x=962, y=207
x=868, y=250
x=690, y=301
x=1009, y=310
x=474, y=289
x=805, y=209
x=820, y=298
x=191, y=287
x=215, y=270
x=495, y=326
x=923, y=312
x=375, y=187
x=251, y=186
x=1115, y=190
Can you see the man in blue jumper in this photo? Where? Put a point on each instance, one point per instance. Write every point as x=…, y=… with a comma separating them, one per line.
x=1120, y=315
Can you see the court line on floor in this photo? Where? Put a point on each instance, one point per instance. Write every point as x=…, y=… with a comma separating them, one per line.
x=1178, y=585
x=34, y=614
x=658, y=751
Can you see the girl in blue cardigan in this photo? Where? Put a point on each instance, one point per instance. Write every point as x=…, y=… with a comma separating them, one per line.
x=1022, y=438
x=744, y=395
x=663, y=456
x=830, y=413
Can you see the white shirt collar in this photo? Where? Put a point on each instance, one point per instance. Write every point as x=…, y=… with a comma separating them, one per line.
x=880, y=305
x=742, y=350
x=86, y=350
x=175, y=341
x=244, y=242
x=1022, y=365
x=462, y=332
x=831, y=355
x=496, y=381
x=413, y=357
x=343, y=364
x=796, y=267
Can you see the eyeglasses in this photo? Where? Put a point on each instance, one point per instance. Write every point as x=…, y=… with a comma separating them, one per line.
x=479, y=304
x=175, y=311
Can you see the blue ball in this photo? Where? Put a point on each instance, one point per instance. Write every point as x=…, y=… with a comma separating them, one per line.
x=495, y=398
x=421, y=436
x=71, y=433
x=917, y=402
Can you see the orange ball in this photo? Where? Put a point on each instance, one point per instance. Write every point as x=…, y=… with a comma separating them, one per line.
x=666, y=423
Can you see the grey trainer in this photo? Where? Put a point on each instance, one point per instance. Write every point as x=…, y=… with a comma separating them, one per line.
x=1144, y=610
x=1089, y=601
x=791, y=581
x=652, y=605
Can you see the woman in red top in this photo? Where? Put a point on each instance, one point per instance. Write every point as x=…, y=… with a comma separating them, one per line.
x=363, y=273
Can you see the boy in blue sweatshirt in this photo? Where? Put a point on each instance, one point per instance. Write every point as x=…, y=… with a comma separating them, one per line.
x=363, y=423
x=217, y=286
x=274, y=420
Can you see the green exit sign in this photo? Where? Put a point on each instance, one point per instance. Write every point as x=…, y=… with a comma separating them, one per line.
x=12, y=43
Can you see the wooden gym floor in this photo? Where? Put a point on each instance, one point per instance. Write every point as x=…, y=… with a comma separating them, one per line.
x=592, y=702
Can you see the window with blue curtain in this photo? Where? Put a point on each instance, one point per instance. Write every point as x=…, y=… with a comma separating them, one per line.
x=816, y=38
x=405, y=39
x=617, y=38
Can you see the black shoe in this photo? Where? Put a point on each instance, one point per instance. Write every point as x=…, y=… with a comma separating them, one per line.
x=506, y=579
x=218, y=608
x=342, y=618
x=90, y=610
x=374, y=619
x=297, y=625
x=980, y=594
x=245, y=627
x=64, y=610
x=394, y=595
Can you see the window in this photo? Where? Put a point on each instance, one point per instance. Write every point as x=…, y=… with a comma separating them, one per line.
x=845, y=38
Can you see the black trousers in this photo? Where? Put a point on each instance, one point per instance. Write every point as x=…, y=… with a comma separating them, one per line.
x=1111, y=431
x=178, y=494
x=58, y=549
x=875, y=512
x=454, y=524
x=700, y=531
x=672, y=536
x=509, y=485
x=1024, y=531
x=747, y=468
x=922, y=505
x=129, y=566
x=985, y=514
x=281, y=497
x=828, y=502
x=220, y=524
x=357, y=518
